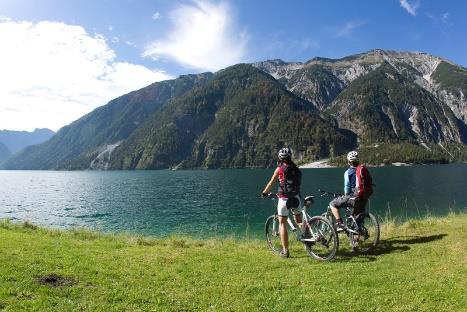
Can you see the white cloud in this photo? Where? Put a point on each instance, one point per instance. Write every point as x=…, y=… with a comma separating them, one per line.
x=441, y=19
x=445, y=17
x=156, y=16
x=53, y=73
x=411, y=8
x=131, y=44
x=348, y=29
x=203, y=37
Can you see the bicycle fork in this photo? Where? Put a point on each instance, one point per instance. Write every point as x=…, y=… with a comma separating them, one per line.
x=292, y=226
x=299, y=233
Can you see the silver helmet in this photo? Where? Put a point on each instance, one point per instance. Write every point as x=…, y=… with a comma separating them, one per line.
x=284, y=153
x=352, y=156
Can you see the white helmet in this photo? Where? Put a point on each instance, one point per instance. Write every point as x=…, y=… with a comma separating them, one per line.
x=352, y=156
x=284, y=153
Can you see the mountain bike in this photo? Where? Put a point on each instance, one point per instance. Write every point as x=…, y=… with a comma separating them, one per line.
x=316, y=233
x=363, y=230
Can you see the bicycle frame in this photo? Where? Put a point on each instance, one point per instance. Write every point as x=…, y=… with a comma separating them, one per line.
x=349, y=216
x=355, y=226
x=315, y=232
x=348, y=211
x=296, y=229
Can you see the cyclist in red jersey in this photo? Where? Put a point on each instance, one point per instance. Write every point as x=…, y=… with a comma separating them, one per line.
x=286, y=200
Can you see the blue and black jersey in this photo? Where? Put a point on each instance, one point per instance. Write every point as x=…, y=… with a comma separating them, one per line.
x=350, y=181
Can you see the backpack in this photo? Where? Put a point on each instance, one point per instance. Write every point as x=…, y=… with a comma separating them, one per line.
x=292, y=180
x=364, y=182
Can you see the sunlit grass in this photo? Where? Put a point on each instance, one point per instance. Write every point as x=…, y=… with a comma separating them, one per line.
x=420, y=265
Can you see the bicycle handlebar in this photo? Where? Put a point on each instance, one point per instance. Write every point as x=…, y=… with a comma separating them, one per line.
x=270, y=195
x=330, y=194
x=323, y=193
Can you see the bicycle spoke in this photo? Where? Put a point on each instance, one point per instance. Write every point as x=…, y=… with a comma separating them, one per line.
x=324, y=243
x=272, y=234
x=368, y=233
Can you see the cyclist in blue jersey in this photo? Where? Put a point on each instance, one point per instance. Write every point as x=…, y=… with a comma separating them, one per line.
x=350, y=197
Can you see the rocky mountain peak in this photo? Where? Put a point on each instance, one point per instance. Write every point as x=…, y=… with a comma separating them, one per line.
x=239, y=116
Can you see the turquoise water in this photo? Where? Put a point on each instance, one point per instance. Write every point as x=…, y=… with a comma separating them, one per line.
x=208, y=203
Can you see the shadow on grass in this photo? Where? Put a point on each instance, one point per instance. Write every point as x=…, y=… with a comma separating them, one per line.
x=387, y=246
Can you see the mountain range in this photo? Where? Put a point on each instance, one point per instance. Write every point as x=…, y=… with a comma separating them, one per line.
x=12, y=142
x=4, y=152
x=240, y=116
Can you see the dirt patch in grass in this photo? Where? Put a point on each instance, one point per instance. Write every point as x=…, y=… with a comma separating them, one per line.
x=55, y=280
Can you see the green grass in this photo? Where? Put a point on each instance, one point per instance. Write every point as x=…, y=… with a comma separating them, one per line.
x=421, y=265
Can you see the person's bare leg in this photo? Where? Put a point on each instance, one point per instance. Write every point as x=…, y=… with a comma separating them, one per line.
x=335, y=212
x=283, y=233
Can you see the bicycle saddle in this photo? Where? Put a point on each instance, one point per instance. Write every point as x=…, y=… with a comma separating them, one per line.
x=309, y=201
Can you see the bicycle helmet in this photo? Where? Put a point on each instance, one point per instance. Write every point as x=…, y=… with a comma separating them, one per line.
x=352, y=156
x=284, y=153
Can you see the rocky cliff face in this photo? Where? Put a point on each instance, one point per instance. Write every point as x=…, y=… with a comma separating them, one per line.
x=322, y=81
x=385, y=106
x=350, y=68
x=449, y=83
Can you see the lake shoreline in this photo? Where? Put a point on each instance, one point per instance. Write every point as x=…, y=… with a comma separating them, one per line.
x=324, y=164
x=319, y=164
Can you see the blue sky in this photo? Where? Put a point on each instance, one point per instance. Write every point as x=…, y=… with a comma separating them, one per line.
x=78, y=54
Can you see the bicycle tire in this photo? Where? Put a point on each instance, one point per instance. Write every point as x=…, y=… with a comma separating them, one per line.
x=369, y=233
x=326, y=242
x=273, y=238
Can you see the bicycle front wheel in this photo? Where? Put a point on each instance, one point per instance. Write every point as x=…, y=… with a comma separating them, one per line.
x=273, y=237
x=320, y=239
x=367, y=238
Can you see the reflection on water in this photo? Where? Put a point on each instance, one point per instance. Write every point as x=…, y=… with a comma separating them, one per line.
x=207, y=203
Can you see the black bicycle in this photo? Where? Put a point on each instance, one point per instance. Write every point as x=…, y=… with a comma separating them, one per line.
x=363, y=229
x=316, y=233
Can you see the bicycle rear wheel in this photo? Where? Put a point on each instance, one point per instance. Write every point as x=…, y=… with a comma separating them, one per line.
x=273, y=237
x=367, y=238
x=320, y=239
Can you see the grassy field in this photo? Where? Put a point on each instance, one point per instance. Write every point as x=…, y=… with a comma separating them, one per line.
x=420, y=265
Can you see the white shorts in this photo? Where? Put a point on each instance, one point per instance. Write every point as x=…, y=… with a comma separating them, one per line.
x=282, y=207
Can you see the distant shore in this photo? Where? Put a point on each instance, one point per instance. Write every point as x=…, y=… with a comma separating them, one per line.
x=322, y=163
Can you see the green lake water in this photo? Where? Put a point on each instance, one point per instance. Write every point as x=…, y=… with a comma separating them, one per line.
x=212, y=202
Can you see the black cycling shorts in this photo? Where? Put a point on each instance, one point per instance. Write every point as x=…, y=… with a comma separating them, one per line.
x=357, y=203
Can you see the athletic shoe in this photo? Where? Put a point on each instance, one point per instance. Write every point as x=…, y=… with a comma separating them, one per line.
x=340, y=227
x=284, y=254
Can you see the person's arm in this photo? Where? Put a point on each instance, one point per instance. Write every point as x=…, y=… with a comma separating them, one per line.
x=271, y=182
x=347, y=188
